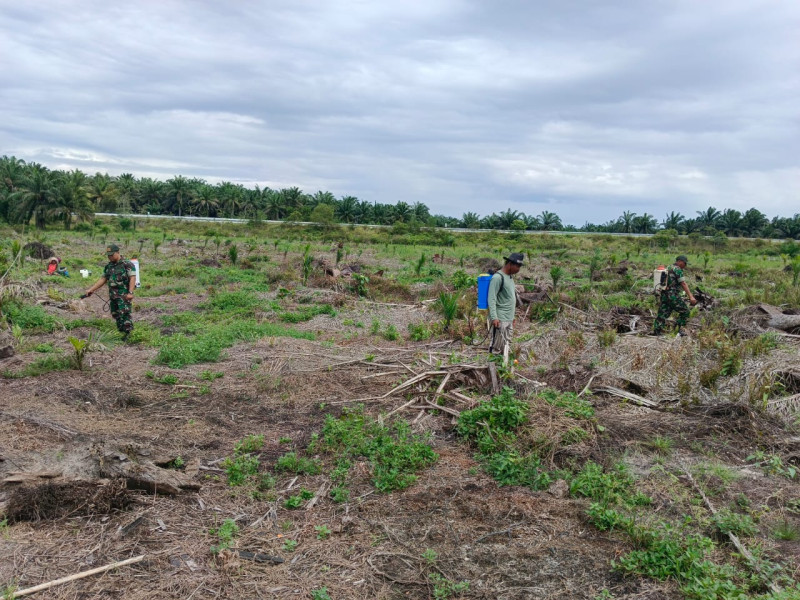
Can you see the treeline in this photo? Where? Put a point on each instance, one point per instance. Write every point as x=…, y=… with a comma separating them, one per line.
x=30, y=191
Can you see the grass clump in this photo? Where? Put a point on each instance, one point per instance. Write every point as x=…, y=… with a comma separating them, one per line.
x=298, y=464
x=395, y=454
x=180, y=350
x=491, y=426
x=575, y=407
x=243, y=465
x=306, y=313
x=726, y=522
x=29, y=316
x=40, y=366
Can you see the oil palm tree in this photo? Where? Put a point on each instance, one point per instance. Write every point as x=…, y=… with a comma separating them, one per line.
x=34, y=196
x=549, y=221
x=72, y=199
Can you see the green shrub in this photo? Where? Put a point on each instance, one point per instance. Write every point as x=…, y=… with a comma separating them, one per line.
x=419, y=332
x=306, y=313
x=462, y=281
x=726, y=522
x=298, y=464
x=240, y=468
x=575, y=407
x=29, y=316
x=225, y=534
x=606, y=488
x=394, y=453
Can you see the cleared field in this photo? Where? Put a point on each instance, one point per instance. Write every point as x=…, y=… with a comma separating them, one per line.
x=295, y=417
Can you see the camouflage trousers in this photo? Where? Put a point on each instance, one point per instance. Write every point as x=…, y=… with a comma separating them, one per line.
x=671, y=302
x=121, y=311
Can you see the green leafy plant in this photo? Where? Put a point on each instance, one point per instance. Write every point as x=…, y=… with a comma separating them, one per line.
x=419, y=264
x=360, y=283
x=249, y=444
x=390, y=333
x=726, y=522
x=233, y=253
x=323, y=532
x=290, y=545
x=556, y=275
x=320, y=594
x=462, y=281
x=308, y=263
x=447, y=304
x=395, y=454
x=443, y=588
x=606, y=337
x=298, y=464
x=225, y=534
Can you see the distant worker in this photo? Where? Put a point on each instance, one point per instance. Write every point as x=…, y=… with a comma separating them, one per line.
x=671, y=299
x=120, y=274
x=54, y=269
x=503, y=304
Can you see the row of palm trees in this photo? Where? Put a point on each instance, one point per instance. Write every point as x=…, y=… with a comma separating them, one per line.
x=31, y=191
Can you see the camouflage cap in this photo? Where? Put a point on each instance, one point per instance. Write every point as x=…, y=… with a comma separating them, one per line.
x=682, y=258
x=111, y=249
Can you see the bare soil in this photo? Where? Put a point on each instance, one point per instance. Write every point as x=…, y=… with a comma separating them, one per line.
x=508, y=542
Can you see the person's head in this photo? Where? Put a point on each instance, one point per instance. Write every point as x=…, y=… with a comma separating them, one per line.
x=112, y=252
x=681, y=261
x=513, y=262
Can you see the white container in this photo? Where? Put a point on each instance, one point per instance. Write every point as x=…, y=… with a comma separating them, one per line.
x=657, y=277
x=85, y=273
x=135, y=262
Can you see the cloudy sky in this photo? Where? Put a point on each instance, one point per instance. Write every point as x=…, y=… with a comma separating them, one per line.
x=585, y=108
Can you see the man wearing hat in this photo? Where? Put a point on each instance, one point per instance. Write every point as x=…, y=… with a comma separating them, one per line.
x=671, y=299
x=503, y=303
x=120, y=275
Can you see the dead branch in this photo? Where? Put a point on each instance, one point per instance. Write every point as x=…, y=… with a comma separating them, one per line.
x=59, y=429
x=82, y=575
x=635, y=398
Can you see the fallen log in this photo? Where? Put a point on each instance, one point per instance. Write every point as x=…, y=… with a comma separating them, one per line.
x=778, y=320
x=146, y=475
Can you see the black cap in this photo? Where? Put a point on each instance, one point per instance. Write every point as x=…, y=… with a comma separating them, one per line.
x=515, y=257
x=112, y=249
x=682, y=258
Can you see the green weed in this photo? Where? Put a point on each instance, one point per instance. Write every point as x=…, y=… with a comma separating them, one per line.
x=225, y=534
x=394, y=453
x=299, y=465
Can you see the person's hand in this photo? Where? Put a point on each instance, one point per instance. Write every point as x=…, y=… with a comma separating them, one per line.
x=129, y=296
x=88, y=293
x=692, y=300
x=496, y=323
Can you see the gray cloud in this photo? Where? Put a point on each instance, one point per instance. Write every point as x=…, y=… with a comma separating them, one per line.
x=587, y=109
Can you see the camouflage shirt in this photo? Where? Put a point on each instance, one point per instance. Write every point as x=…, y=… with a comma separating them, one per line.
x=118, y=275
x=674, y=278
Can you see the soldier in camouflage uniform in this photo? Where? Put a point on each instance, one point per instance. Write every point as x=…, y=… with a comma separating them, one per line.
x=671, y=299
x=120, y=274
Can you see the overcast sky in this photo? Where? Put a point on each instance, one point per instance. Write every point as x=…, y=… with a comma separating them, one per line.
x=581, y=107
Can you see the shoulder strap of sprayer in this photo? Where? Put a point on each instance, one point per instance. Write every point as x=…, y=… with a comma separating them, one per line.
x=502, y=281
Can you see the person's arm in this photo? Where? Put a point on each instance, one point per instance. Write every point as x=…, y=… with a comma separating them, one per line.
x=692, y=299
x=100, y=283
x=494, y=288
